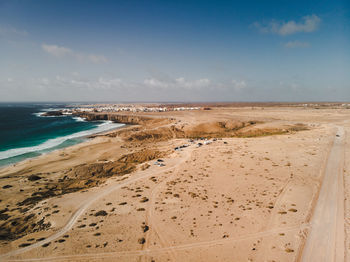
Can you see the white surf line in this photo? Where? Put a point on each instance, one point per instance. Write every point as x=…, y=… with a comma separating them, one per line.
x=325, y=242
x=166, y=249
x=54, y=142
x=82, y=209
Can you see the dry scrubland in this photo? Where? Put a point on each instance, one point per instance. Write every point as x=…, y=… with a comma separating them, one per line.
x=248, y=196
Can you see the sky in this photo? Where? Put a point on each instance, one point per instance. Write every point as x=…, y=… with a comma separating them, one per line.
x=174, y=51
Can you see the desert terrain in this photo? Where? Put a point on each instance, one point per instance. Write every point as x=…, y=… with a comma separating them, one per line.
x=262, y=183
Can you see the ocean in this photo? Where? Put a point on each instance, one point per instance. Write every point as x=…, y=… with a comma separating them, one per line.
x=24, y=133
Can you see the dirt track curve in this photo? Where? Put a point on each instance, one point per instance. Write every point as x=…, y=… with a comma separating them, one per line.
x=98, y=195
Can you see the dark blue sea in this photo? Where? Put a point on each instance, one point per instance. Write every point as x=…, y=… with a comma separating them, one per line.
x=24, y=133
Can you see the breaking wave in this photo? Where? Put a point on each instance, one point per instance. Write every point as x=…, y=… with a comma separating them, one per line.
x=55, y=142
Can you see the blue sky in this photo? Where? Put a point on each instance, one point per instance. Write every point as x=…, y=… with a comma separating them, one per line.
x=174, y=50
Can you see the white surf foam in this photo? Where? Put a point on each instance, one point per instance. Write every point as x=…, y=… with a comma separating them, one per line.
x=105, y=126
x=78, y=119
x=43, y=111
x=40, y=114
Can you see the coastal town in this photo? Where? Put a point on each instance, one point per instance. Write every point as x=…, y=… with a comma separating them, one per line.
x=131, y=108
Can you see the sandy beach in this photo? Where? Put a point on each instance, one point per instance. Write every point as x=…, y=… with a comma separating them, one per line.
x=254, y=189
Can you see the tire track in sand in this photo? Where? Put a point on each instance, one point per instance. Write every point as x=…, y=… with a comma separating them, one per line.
x=151, y=208
x=202, y=244
x=97, y=195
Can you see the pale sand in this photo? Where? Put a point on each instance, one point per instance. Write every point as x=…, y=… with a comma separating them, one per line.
x=249, y=199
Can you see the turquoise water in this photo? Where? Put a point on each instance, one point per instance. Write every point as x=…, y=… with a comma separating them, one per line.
x=25, y=134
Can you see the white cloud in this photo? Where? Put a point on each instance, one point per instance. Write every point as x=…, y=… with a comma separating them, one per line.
x=296, y=44
x=97, y=58
x=113, y=83
x=60, y=51
x=104, y=83
x=239, y=84
x=307, y=24
x=91, y=84
x=55, y=50
x=153, y=82
x=199, y=83
x=180, y=82
x=204, y=82
x=9, y=31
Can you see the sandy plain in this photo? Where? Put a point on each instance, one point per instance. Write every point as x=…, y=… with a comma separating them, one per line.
x=250, y=195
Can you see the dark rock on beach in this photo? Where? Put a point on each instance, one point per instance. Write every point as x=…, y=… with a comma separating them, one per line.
x=53, y=113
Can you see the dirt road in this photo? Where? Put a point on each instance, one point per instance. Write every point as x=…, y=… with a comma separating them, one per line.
x=91, y=200
x=325, y=241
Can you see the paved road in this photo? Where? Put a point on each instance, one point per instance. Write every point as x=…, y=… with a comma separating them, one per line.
x=325, y=241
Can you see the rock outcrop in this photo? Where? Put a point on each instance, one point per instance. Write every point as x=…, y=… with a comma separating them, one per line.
x=53, y=113
x=124, y=119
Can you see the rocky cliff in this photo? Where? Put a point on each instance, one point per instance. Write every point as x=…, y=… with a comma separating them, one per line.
x=124, y=119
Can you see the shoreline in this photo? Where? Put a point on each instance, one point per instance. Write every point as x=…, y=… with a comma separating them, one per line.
x=85, y=138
